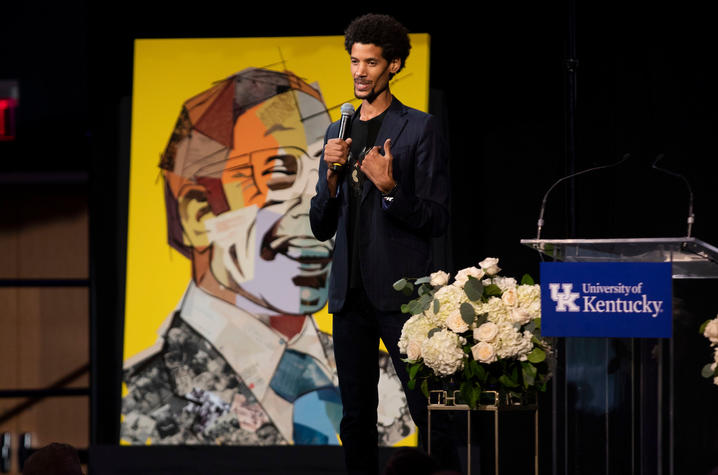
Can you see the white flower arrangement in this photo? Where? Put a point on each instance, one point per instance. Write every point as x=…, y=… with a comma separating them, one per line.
x=481, y=331
x=442, y=352
x=709, y=329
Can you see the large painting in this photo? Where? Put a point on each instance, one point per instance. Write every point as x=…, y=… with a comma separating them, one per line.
x=227, y=337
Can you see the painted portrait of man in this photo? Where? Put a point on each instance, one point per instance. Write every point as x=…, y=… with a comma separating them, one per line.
x=242, y=360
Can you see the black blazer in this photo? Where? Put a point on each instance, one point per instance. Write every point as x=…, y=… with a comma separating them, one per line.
x=394, y=242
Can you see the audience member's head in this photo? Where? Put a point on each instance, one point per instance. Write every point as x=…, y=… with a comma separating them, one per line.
x=410, y=461
x=53, y=459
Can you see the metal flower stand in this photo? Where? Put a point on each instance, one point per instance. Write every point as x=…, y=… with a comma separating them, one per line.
x=490, y=401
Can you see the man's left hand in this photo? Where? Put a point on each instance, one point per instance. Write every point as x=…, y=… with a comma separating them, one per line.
x=378, y=167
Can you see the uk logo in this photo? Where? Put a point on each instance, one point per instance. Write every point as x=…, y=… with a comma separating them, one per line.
x=606, y=299
x=565, y=299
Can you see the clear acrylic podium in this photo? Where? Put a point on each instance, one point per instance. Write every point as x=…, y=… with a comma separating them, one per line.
x=691, y=258
x=619, y=395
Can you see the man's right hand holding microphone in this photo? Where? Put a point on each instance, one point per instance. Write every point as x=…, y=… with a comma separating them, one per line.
x=336, y=153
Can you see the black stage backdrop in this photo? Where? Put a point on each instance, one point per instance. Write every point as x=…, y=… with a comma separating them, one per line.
x=517, y=120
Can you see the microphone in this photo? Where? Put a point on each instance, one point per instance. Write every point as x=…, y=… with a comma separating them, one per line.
x=347, y=113
x=543, y=203
x=691, y=216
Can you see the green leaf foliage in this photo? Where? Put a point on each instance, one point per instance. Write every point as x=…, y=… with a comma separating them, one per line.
x=425, y=300
x=423, y=280
x=417, y=306
x=703, y=326
x=528, y=372
x=405, y=308
x=481, y=319
x=408, y=289
x=437, y=305
x=400, y=284
x=414, y=307
x=467, y=312
x=477, y=371
x=425, y=388
x=413, y=369
x=432, y=331
x=425, y=289
x=465, y=389
x=469, y=369
x=527, y=280
x=475, y=395
x=537, y=355
x=481, y=373
x=473, y=289
x=506, y=381
x=411, y=384
x=707, y=372
x=492, y=290
x=534, y=327
x=470, y=393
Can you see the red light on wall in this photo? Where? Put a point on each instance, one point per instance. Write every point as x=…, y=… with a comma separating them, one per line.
x=8, y=107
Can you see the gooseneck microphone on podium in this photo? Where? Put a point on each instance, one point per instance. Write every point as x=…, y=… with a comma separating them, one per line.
x=691, y=217
x=540, y=222
x=347, y=113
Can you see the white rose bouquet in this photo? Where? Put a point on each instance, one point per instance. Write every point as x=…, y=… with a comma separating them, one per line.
x=709, y=329
x=481, y=332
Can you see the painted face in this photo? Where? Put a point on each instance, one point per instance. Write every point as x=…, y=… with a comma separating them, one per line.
x=370, y=70
x=263, y=247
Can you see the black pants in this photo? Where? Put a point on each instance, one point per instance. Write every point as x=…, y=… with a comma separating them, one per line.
x=356, y=331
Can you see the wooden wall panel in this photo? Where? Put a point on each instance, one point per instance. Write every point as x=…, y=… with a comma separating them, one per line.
x=8, y=337
x=11, y=426
x=54, y=329
x=58, y=419
x=9, y=225
x=44, y=331
x=53, y=237
x=8, y=359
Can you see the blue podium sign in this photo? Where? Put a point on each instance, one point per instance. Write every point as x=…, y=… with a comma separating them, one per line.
x=606, y=299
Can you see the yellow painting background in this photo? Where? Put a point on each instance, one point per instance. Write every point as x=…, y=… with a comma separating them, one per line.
x=166, y=73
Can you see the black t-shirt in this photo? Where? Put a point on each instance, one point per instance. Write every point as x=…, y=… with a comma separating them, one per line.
x=363, y=135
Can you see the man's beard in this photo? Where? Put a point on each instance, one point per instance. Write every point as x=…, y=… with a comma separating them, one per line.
x=373, y=93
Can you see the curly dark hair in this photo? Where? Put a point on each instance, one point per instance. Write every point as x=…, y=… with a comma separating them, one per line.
x=381, y=30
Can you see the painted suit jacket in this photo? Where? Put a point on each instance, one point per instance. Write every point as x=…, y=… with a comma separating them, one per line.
x=185, y=392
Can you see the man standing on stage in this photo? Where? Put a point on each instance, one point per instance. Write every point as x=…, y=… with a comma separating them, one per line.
x=384, y=192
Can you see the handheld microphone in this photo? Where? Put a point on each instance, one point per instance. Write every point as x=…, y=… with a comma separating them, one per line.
x=347, y=113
